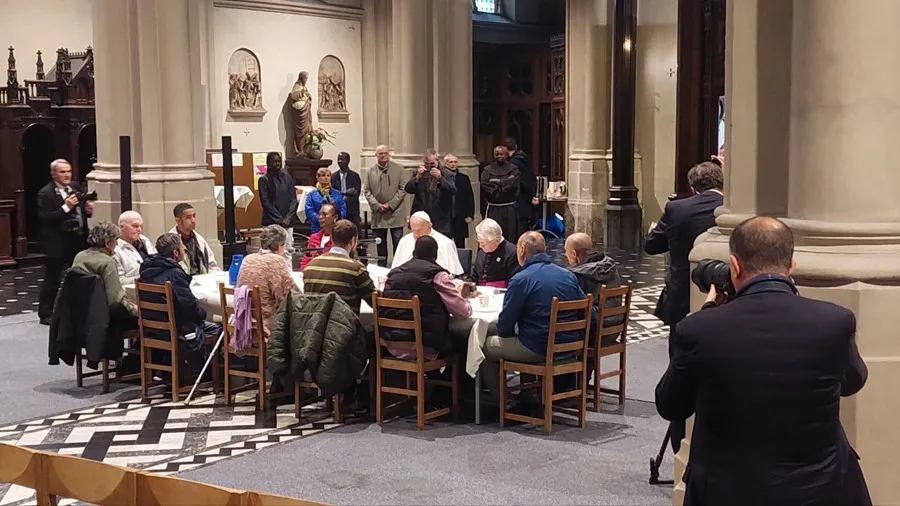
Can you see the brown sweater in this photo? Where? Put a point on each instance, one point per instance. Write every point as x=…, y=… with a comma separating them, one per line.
x=338, y=273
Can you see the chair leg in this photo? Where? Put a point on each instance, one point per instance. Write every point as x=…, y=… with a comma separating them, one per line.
x=454, y=406
x=372, y=390
x=338, y=417
x=216, y=376
x=547, y=381
x=420, y=400
x=597, y=380
x=622, y=378
x=145, y=383
x=379, y=402
x=298, y=400
x=582, y=406
x=502, y=393
x=176, y=377
x=226, y=381
x=262, y=400
x=105, y=376
x=79, y=378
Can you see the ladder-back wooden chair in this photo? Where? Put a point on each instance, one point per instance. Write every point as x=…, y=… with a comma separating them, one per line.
x=157, y=490
x=131, y=338
x=561, y=358
x=415, y=368
x=169, y=345
x=87, y=481
x=597, y=350
x=257, y=350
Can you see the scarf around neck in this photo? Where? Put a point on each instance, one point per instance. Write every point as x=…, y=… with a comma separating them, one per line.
x=325, y=190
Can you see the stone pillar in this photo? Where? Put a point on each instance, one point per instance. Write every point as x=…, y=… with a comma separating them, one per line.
x=376, y=43
x=846, y=224
x=588, y=35
x=410, y=110
x=148, y=71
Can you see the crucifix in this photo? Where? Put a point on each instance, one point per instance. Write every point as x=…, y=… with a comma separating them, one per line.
x=671, y=72
x=246, y=132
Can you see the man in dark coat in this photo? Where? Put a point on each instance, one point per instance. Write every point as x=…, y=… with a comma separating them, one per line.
x=500, y=188
x=63, y=216
x=764, y=375
x=433, y=188
x=463, y=201
x=593, y=269
x=349, y=184
x=681, y=223
x=528, y=181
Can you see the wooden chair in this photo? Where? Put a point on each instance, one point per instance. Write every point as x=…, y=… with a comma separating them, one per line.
x=597, y=351
x=168, y=345
x=263, y=499
x=87, y=481
x=131, y=337
x=554, y=366
x=157, y=490
x=22, y=466
x=257, y=350
x=417, y=367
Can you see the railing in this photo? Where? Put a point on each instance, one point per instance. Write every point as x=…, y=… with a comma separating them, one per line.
x=18, y=95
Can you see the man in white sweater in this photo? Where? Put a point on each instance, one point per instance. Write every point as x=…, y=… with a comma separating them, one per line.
x=132, y=247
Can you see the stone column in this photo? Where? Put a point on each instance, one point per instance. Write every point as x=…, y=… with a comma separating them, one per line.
x=376, y=43
x=588, y=35
x=827, y=164
x=410, y=111
x=148, y=71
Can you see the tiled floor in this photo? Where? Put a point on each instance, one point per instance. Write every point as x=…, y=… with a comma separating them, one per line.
x=19, y=290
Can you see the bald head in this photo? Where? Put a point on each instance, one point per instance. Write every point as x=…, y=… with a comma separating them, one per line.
x=577, y=245
x=383, y=154
x=530, y=244
x=761, y=245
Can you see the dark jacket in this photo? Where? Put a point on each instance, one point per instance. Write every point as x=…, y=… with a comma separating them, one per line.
x=764, y=375
x=438, y=203
x=319, y=334
x=278, y=198
x=528, y=300
x=594, y=271
x=680, y=225
x=416, y=277
x=528, y=182
x=189, y=314
x=81, y=319
x=351, y=193
x=62, y=236
x=464, y=205
x=500, y=265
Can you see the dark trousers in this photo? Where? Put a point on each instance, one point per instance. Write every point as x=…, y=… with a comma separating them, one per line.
x=396, y=235
x=54, y=268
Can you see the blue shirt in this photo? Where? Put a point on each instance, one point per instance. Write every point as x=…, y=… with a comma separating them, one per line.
x=526, y=306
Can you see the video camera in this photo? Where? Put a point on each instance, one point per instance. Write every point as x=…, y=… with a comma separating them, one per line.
x=87, y=196
x=713, y=273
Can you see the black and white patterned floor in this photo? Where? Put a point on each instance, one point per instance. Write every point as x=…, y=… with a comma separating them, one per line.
x=19, y=289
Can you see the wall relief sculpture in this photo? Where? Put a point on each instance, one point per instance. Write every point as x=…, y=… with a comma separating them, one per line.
x=332, y=90
x=244, y=85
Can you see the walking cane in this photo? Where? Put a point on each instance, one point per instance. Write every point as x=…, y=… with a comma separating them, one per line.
x=212, y=355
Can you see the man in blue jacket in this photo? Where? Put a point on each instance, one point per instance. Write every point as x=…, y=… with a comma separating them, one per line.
x=524, y=322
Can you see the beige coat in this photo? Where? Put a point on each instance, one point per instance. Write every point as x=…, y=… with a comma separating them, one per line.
x=386, y=187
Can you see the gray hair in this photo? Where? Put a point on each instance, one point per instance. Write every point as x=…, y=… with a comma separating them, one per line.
x=168, y=244
x=706, y=176
x=102, y=234
x=488, y=230
x=129, y=216
x=533, y=243
x=56, y=163
x=272, y=237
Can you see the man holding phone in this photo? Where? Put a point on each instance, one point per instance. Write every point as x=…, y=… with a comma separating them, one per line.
x=433, y=188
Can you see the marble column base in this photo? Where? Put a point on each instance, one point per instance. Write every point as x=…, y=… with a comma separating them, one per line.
x=587, y=183
x=623, y=227
x=156, y=190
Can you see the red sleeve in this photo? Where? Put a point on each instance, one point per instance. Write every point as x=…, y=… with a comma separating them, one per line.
x=315, y=241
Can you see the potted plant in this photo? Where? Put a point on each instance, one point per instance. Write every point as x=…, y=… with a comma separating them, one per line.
x=313, y=140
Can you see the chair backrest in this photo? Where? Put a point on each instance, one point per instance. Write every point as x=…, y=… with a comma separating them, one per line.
x=263, y=499
x=622, y=297
x=167, y=308
x=88, y=480
x=465, y=259
x=415, y=324
x=20, y=465
x=157, y=490
x=556, y=326
x=256, y=329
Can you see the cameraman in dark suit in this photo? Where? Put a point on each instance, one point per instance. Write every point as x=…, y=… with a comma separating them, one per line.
x=764, y=374
x=63, y=210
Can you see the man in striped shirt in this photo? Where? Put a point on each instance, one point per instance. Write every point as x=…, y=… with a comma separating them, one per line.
x=336, y=272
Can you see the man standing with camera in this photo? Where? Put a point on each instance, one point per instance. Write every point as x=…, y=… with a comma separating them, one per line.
x=63, y=210
x=764, y=374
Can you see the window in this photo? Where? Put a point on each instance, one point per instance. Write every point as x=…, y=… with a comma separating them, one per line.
x=488, y=6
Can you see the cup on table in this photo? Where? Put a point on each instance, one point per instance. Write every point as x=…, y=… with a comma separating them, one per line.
x=484, y=300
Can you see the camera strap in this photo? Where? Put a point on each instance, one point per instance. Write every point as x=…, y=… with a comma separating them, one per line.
x=768, y=283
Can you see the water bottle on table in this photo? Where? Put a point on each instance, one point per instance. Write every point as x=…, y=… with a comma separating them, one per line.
x=236, y=261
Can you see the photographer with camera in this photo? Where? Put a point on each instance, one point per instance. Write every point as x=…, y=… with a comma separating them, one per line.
x=763, y=373
x=63, y=210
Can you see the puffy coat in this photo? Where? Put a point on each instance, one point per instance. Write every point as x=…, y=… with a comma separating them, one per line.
x=321, y=334
x=594, y=271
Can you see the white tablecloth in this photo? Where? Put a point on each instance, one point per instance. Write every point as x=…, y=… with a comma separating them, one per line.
x=243, y=195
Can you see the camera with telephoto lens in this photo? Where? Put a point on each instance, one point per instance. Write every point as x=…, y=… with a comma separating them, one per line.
x=713, y=273
x=87, y=196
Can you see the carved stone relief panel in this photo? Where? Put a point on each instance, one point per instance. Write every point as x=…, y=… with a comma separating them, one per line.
x=245, y=85
x=332, y=90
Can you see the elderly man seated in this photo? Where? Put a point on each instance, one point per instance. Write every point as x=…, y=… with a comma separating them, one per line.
x=496, y=261
x=524, y=321
x=132, y=248
x=420, y=224
x=593, y=269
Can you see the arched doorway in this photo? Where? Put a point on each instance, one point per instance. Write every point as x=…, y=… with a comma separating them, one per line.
x=87, y=150
x=38, y=150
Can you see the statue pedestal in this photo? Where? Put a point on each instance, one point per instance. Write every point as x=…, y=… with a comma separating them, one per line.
x=303, y=169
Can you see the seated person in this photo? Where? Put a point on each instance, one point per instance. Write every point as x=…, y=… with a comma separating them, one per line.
x=328, y=214
x=132, y=247
x=98, y=259
x=336, y=271
x=267, y=270
x=524, y=321
x=496, y=261
x=190, y=317
x=420, y=226
x=199, y=257
x=593, y=269
x=439, y=300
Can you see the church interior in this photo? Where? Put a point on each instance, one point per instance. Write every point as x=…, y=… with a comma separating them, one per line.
x=613, y=101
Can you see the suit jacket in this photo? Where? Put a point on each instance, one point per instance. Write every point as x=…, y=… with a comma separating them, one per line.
x=351, y=193
x=681, y=223
x=465, y=206
x=764, y=375
x=60, y=236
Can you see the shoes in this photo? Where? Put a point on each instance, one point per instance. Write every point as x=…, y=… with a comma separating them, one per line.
x=45, y=321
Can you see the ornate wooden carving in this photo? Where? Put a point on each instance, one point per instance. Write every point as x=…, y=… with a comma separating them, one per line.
x=39, y=67
x=245, y=85
x=332, y=90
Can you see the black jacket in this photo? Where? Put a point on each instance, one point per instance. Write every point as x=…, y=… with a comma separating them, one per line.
x=351, y=193
x=438, y=203
x=464, y=206
x=764, y=375
x=278, y=198
x=680, y=225
x=189, y=314
x=528, y=183
x=595, y=270
x=500, y=265
x=416, y=277
x=62, y=236
x=81, y=319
